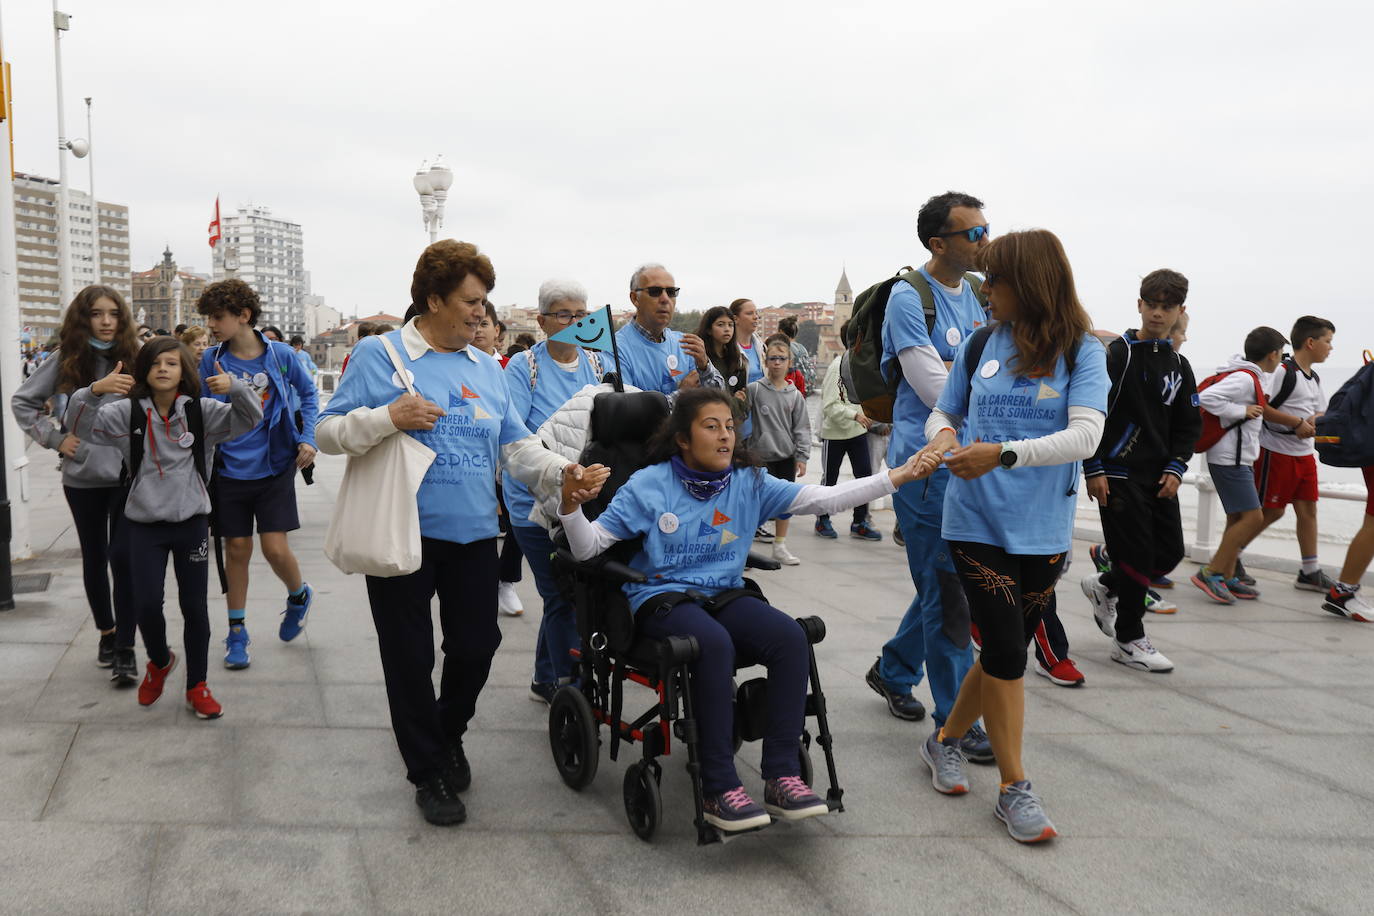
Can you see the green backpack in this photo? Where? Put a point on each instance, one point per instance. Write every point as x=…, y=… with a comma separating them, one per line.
x=877, y=390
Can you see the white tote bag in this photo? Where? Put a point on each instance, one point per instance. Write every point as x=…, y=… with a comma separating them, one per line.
x=376, y=524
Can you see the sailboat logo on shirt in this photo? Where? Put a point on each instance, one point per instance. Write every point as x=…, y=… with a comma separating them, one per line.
x=1021, y=382
x=718, y=518
x=458, y=401
x=1046, y=392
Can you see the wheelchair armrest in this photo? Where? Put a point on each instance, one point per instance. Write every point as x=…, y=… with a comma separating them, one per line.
x=605, y=568
x=759, y=561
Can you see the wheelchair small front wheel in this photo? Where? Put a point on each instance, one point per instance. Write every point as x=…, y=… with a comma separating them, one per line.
x=643, y=801
x=573, y=737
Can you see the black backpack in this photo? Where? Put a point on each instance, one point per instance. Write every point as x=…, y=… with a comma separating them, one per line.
x=138, y=432
x=1345, y=433
x=877, y=390
x=1290, y=381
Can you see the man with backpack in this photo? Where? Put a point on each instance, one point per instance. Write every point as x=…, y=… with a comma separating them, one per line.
x=1345, y=438
x=923, y=316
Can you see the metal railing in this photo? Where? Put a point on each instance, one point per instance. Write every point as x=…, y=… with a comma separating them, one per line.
x=1205, y=538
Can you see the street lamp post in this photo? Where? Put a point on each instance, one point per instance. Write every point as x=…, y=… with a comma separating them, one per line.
x=95, y=204
x=432, y=185
x=61, y=22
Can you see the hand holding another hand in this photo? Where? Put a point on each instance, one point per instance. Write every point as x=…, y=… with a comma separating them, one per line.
x=582, y=484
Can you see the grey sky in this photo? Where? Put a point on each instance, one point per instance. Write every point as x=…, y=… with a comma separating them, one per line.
x=752, y=147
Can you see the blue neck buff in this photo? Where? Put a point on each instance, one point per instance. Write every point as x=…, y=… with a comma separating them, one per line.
x=701, y=484
x=97, y=344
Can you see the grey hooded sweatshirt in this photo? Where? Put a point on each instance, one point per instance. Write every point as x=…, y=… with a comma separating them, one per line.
x=168, y=487
x=93, y=465
x=782, y=427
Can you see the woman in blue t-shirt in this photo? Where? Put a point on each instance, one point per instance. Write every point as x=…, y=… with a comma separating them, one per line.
x=463, y=411
x=696, y=508
x=1031, y=406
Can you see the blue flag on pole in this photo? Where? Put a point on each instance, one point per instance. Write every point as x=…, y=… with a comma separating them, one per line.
x=595, y=332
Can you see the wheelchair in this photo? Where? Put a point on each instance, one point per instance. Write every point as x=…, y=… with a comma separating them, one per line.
x=613, y=653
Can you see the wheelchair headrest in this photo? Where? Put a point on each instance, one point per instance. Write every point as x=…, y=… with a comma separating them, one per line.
x=627, y=416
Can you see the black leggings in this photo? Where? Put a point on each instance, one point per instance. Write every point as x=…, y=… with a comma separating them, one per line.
x=98, y=513
x=188, y=544
x=1007, y=596
x=833, y=453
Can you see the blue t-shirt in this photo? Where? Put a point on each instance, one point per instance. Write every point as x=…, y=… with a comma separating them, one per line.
x=247, y=457
x=553, y=387
x=652, y=366
x=688, y=542
x=458, y=495
x=904, y=326
x=1022, y=510
x=755, y=360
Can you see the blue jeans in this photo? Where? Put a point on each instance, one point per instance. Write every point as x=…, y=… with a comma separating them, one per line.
x=558, y=628
x=934, y=632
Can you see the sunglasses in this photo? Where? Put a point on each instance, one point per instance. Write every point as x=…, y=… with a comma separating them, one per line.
x=656, y=291
x=776, y=359
x=973, y=235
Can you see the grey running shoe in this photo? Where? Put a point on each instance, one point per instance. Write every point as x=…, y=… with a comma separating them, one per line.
x=1019, y=808
x=1314, y=582
x=1242, y=575
x=946, y=764
x=1103, y=601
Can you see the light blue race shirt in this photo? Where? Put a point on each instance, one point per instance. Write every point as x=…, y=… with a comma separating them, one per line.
x=458, y=495
x=1025, y=511
x=692, y=543
x=904, y=326
x=754, y=358
x=553, y=387
x=652, y=366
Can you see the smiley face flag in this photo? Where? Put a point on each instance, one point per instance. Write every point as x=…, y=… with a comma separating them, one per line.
x=595, y=332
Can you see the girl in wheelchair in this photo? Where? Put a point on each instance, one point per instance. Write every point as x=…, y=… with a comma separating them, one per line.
x=697, y=507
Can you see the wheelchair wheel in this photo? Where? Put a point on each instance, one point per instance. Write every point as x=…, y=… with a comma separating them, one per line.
x=804, y=759
x=573, y=737
x=643, y=801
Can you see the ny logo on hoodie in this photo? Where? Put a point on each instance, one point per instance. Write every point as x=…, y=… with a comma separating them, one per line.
x=1172, y=382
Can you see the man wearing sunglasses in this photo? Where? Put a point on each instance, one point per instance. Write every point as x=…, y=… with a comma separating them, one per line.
x=934, y=633
x=653, y=356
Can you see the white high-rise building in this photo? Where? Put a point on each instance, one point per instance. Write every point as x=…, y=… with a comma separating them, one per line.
x=267, y=253
x=35, y=220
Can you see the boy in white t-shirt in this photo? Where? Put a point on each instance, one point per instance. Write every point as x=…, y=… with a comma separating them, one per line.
x=1286, y=471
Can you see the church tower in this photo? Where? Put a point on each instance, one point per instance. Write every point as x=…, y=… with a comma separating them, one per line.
x=844, y=301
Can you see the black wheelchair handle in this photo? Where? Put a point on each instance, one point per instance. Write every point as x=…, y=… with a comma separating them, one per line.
x=622, y=572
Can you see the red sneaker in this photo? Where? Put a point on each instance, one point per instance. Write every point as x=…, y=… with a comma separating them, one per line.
x=200, y=701
x=153, y=681
x=976, y=637
x=1064, y=673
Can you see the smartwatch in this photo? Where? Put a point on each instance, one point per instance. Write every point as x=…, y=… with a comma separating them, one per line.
x=1008, y=457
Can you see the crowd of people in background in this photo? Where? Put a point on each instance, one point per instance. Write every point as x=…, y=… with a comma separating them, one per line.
x=1001, y=403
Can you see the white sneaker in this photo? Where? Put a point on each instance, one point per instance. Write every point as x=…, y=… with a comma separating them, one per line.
x=1104, y=603
x=784, y=556
x=1138, y=653
x=508, y=600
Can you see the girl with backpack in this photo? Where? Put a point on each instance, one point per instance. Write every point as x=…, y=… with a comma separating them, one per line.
x=167, y=434
x=98, y=332
x=1025, y=402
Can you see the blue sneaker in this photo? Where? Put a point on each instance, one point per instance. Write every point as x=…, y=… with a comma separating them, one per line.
x=976, y=746
x=236, y=647
x=293, y=618
x=824, y=529
x=864, y=532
